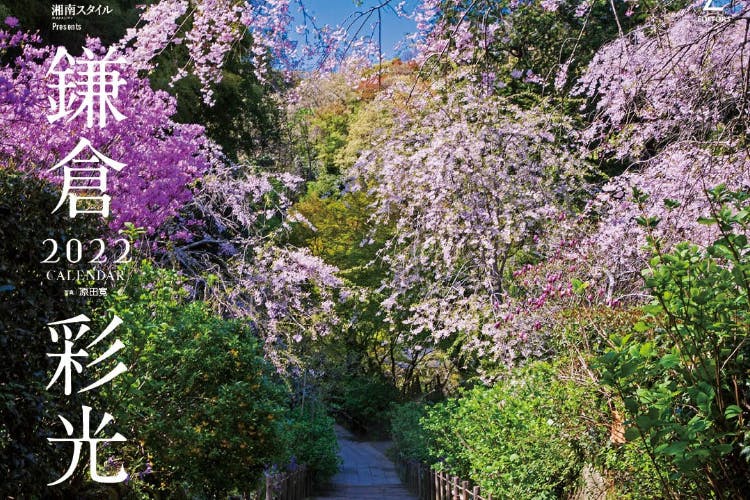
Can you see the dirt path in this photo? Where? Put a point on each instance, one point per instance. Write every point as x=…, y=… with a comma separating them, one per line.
x=366, y=474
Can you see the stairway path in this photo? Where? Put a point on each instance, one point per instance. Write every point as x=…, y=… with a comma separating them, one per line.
x=366, y=473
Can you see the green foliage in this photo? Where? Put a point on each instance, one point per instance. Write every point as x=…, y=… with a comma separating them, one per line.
x=244, y=119
x=625, y=468
x=682, y=373
x=411, y=442
x=320, y=123
x=363, y=401
x=365, y=349
x=370, y=121
x=331, y=128
x=501, y=438
x=333, y=123
x=339, y=229
x=28, y=301
x=515, y=439
x=312, y=439
x=198, y=397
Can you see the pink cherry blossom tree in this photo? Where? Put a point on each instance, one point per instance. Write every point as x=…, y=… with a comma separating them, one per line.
x=671, y=107
x=475, y=187
x=229, y=241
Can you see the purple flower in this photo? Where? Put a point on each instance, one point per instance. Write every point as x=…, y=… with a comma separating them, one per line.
x=227, y=248
x=148, y=470
x=11, y=21
x=550, y=5
x=488, y=80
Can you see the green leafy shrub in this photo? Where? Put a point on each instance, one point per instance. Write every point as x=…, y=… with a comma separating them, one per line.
x=410, y=440
x=502, y=439
x=199, y=401
x=28, y=301
x=620, y=468
x=312, y=440
x=682, y=374
x=515, y=439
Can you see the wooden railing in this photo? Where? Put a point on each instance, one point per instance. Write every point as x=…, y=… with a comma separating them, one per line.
x=295, y=485
x=428, y=484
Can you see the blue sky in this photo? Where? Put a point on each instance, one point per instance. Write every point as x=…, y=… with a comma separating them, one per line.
x=342, y=12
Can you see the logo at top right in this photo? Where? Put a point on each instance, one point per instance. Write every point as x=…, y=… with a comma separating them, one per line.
x=725, y=7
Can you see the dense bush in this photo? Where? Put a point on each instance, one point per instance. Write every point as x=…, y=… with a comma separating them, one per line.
x=410, y=439
x=362, y=402
x=199, y=405
x=517, y=438
x=544, y=433
x=28, y=301
x=682, y=373
x=312, y=441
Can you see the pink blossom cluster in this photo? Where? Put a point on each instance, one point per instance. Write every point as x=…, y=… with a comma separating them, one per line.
x=677, y=78
x=211, y=29
x=213, y=33
x=670, y=103
x=155, y=30
x=230, y=230
x=162, y=156
x=269, y=23
x=682, y=173
x=470, y=182
x=437, y=36
x=293, y=293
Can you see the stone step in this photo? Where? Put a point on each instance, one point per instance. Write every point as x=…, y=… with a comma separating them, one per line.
x=380, y=492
